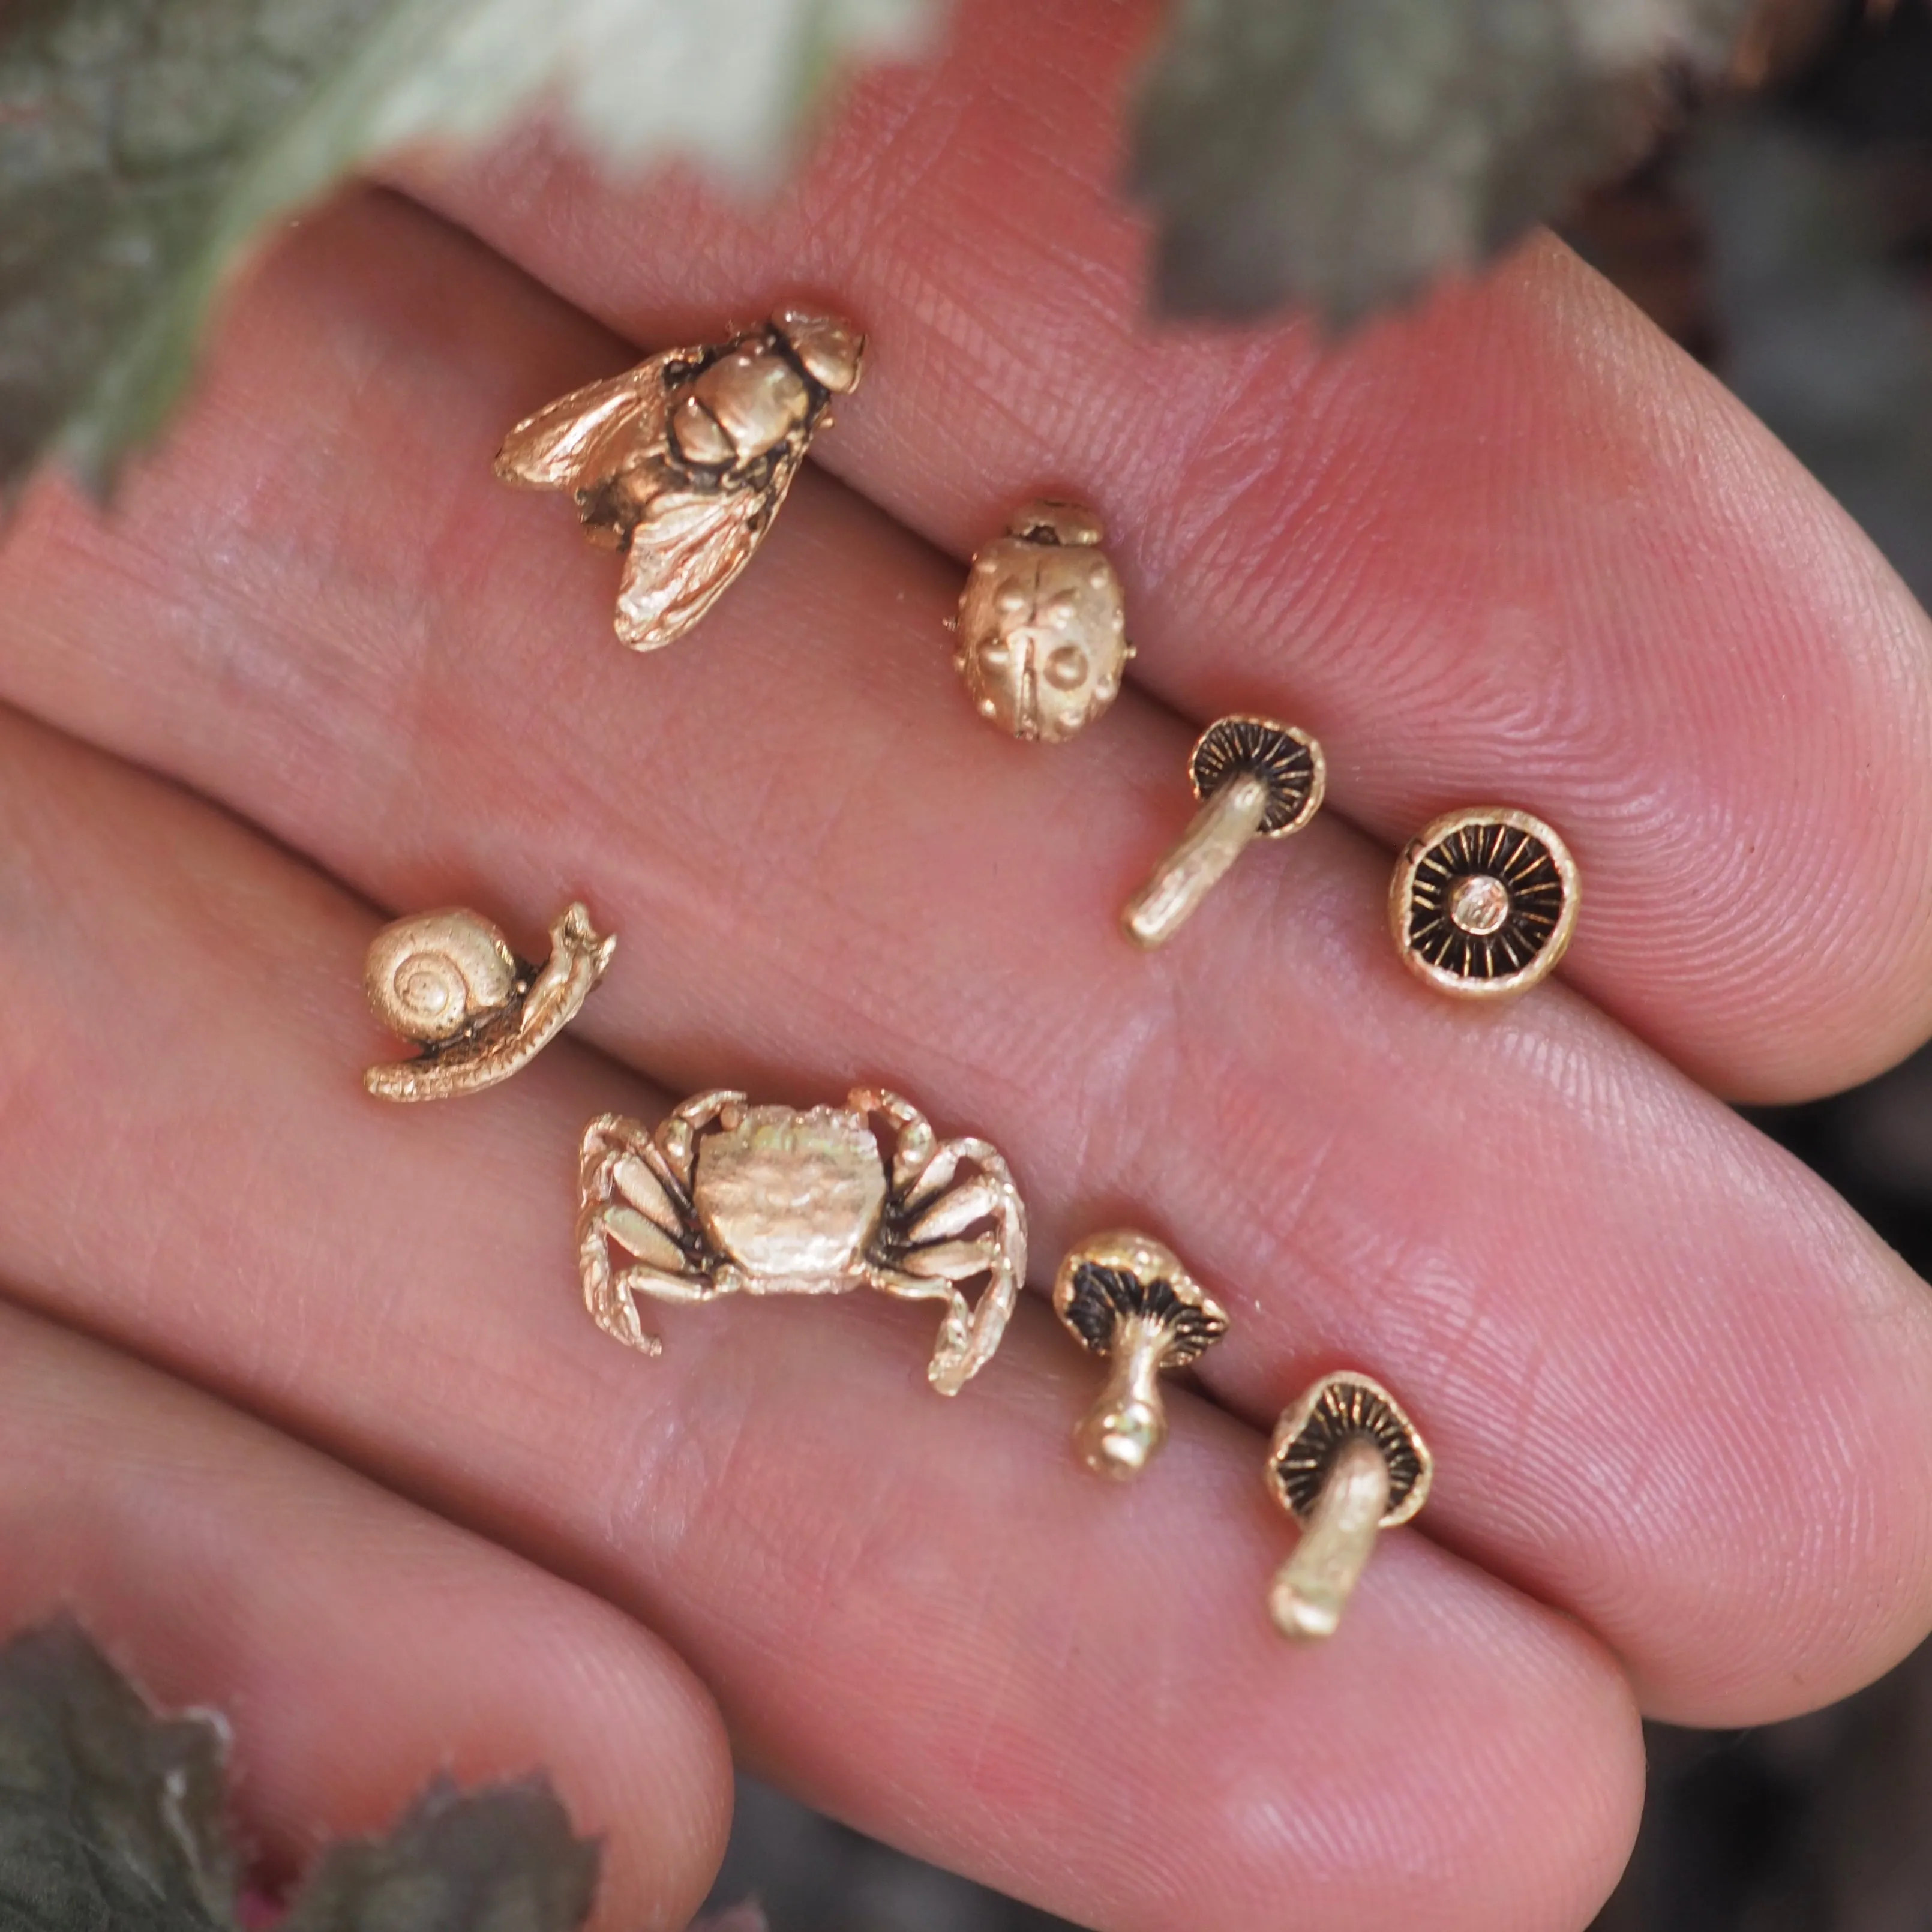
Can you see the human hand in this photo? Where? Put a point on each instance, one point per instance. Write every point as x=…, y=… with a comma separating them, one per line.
x=1514, y=548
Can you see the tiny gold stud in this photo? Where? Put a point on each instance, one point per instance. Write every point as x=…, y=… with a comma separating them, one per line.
x=1125, y=1297
x=1256, y=779
x=1041, y=633
x=1347, y=1463
x=448, y=981
x=1483, y=902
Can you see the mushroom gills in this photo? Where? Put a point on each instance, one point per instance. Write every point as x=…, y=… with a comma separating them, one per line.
x=1141, y=1326
x=1256, y=778
x=1347, y=1463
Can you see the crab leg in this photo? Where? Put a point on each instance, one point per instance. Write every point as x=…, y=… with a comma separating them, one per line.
x=976, y=1200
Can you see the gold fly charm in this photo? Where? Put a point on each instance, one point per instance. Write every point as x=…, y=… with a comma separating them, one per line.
x=682, y=462
x=724, y=1197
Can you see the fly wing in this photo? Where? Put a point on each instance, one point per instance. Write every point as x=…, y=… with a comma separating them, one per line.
x=685, y=549
x=587, y=437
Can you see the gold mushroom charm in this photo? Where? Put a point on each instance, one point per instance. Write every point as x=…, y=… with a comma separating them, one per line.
x=448, y=981
x=1124, y=1296
x=683, y=461
x=1483, y=902
x=1041, y=629
x=724, y=1197
x=1347, y=1464
x=1256, y=779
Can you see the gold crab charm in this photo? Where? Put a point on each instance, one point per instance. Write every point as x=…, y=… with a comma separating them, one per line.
x=683, y=461
x=725, y=1198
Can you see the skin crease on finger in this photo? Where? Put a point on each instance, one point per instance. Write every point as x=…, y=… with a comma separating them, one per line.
x=926, y=1615
x=1675, y=1387
x=1515, y=548
x=356, y=1647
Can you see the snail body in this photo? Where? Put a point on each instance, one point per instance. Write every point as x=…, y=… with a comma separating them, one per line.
x=448, y=981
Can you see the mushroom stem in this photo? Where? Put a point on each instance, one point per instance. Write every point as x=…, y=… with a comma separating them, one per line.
x=1123, y=1429
x=1222, y=829
x=1312, y=1588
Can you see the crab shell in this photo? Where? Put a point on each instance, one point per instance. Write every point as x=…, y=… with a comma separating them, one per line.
x=1042, y=635
x=792, y=1196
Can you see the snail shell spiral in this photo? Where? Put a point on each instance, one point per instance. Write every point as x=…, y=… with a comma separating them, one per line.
x=430, y=976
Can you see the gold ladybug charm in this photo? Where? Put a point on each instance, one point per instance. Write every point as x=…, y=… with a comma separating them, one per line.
x=1042, y=632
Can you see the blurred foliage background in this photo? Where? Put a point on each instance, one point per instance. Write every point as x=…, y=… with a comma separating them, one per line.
x=1784, y=237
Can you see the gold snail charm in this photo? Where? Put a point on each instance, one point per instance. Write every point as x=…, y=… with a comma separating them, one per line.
x=448, y=981
x=1042, y=632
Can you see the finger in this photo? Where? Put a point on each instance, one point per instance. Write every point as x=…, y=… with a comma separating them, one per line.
x=1609, y=1291
x=358, y=1646
x=1513, y=549
x=924, y=1614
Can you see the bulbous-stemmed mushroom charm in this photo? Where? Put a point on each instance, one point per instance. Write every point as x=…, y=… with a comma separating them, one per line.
x=1042, y=629
x=724, y=1197
x=1126, y=1298
x=448, y=981
x=1348, y=1463
x=1483, y=902
x=683, y=461
x=1256, y=779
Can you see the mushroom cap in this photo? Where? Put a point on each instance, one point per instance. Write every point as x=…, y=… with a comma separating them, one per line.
x=1500, y=954
x=1047, y=520
x=1338, y=1410
x=1109, y=1277
x=1285, y=759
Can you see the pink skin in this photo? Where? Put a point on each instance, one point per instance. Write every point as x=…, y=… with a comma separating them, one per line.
x=1674, y=1388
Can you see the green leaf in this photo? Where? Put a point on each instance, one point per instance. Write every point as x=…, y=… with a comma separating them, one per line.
x=110, y=1817
x=1342, y=154
x=145, y=144
x=111, y=1820
x=503, y=1860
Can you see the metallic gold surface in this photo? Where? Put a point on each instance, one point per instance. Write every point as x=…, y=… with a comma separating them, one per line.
x=1259, y=779
x=1042, y=629
x=1348, y=1463
x=1123, y=1296
x=683, y=461
x=448, y=981
x=724, y=1197
x=1483, y=902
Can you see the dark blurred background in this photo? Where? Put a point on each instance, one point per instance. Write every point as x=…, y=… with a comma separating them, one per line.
x=1784, y=237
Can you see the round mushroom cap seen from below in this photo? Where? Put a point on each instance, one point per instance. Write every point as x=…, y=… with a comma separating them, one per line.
x=1338, y=1410
x=1483, y=901
x=1125, y=1296
x=1287, y=761
x=832, y=350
